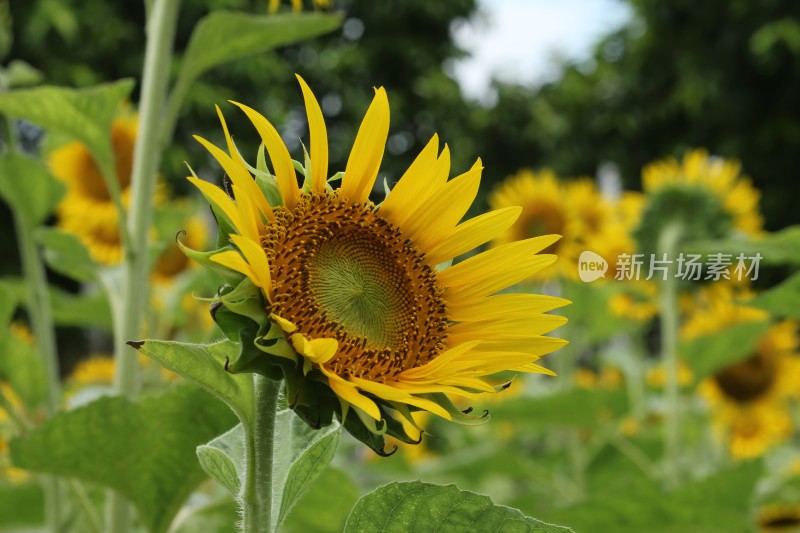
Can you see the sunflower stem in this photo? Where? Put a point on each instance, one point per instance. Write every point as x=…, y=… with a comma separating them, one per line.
x=257, y=495
x=41, y=319
x=161, y=26
x=668, y=243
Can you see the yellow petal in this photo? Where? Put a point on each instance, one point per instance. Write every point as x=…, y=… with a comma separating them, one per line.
x=440, y=214
x=249, y=226
x=439, y=362
x=367, y=153
x=347, y=392
x=504, y=306
x=235, y=262
x=497, y=269
x=242, y=176
x=319, y=351
x=257, y=259
x=504, y=329
x=416, y=182
x=281, y=160
x=472, y=234
x=286, y=325
x=319, y=139
x=395, y=395
x=218, y=197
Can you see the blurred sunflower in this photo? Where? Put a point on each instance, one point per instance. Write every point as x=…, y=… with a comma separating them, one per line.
x=297, y=5
x=172, y=261
x=545, y=210
x=87, y=209
x=94, y=370
x=779, y=518
x=354, y=287
x=707, y=194
x=749, y=400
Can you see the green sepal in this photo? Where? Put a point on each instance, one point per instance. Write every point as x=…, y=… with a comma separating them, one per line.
x=396, y=429
x=250, y=358
x=269, y=187
x=313, y=401
x=204, y=259
x=271, y=340
x=357, y=429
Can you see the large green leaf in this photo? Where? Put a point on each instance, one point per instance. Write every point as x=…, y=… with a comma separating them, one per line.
x=223, y=36
x=705, y=355
x=142, y=449
x=66, y=254
x=83, y=114
x=416, y=507
x=324, y=508
x=204, y=364
x=781, y=301
x=28, y=188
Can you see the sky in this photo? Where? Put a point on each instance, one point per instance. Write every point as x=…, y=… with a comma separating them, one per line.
x=517, y=40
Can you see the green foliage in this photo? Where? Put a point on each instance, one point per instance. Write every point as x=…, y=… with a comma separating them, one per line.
x=21, y=366
x=205, y=366
x=324, y=508
x=725, y=498
x=417, y=507
x=83, y=114
x=576, y=407
x=28, y=188
x=222, y=459
x=20, y=505
x=224, y=36
x=66, y=254
x=782, y=300
x=143, y=449
x=707, y=354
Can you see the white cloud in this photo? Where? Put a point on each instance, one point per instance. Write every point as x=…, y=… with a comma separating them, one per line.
x=517, y=40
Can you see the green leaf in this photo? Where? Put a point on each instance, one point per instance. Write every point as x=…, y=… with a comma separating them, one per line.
x=307, y=467
x=222, y=459
x=21, y=366
x=324, y=508
x=204, y=364
x=21, y=74
x=778, y=248
x=223, y=36
x=8, y=303
x=27, y=186
x=83, y=114
x=416, y=507
x=66, y=254
x=21, y=505
x=782, y=301
x=143, y=449
x=710, y=353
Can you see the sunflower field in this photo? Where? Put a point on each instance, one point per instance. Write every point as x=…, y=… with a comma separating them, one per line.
x=266, y=268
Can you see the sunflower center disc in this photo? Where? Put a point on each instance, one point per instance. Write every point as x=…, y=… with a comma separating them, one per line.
x=747, y=380
x=341, y=271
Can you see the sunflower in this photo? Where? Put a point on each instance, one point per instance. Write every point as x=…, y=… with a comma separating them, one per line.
x=172, y=262
x=87, y=209
x=94, y=370
x=706, y=193
x=358, y=292
x=779, y=518
x=297, y=5
x=750, y=400
x=545, y=210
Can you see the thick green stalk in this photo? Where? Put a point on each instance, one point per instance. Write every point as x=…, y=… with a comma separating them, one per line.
x=257, y=497
x=668, y=243
x=146, y=159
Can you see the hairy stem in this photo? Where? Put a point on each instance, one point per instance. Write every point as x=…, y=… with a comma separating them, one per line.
x=257, y=497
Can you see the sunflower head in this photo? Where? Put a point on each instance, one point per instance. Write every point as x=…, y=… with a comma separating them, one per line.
x=749, y=400
x=348, y=301
x=707, y=194
x=779, y=517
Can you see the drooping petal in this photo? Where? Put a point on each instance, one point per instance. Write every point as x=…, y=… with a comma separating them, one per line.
x=257, y=259
x=367, y=153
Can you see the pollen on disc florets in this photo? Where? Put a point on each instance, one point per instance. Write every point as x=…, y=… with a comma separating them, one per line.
x=341, y=270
